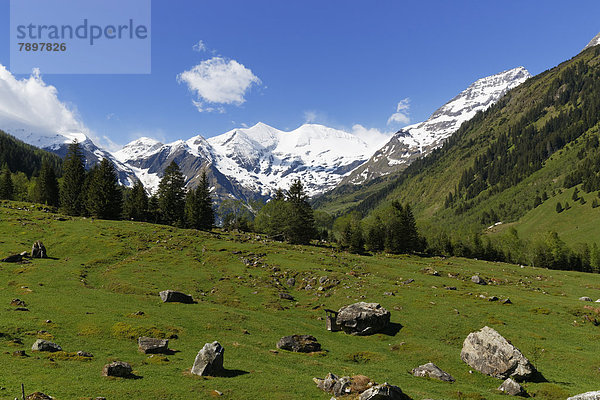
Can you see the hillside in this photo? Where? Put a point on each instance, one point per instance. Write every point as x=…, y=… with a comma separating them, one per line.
x=22, y=157
x=101, y=274
x=540, y=138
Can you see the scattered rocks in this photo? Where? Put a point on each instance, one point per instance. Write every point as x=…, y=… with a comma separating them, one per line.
x=335, y=385
x=585, y=298
x=587, y=396
x=209, y=361
x=118, y=368
x=363, y=318
x=38, y=396
x=19, y=353
x=291, y=282
x=286, y=296
x=406, y=282
x=82, y=353
x=38, y=250
x=299, y=343
x=432, y=371
x=506, y=301
x=491, y=354
x=383, y=392
x=148, y=345
x=44, y=345
x=172, y=296
x=512, y=388
x=478, y=280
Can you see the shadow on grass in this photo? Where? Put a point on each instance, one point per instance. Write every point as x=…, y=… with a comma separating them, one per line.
x=231, y=373
x=392, y=329
x=537, y=378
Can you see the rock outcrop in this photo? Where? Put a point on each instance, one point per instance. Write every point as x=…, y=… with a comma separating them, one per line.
x=587, y=396
x=512, y=388
x=299, y=343
x=118, y=368
x=150, y=345
x=44, y=345
x=363, y=318
x=491, y=354
x=383, y=392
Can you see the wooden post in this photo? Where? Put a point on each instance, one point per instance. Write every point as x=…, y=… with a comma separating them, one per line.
x=22, y=391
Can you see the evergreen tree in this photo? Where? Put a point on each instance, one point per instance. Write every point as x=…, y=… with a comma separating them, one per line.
x=375, y=235
x=136, y=205
x=104, y=196
x=71, y=193
x=594, y=203
x=301, y=227
x=46, y=188
x=171, y=196
x=153, y=209
x=206, y=215
x=273, y=219
x=6, y=184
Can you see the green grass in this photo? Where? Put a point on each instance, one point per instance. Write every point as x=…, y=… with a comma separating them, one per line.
x=102, y=272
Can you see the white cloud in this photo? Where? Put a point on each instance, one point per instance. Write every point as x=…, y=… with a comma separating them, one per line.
x=199, y=47
x=310, y=117
x=218, y=81
x=402, y=114
x=29, y=105
x=372, y=136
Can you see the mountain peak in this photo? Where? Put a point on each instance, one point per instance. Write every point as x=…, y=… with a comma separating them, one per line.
x=594, y=42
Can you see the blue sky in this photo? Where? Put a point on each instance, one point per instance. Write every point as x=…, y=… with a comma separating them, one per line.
x=339, y=63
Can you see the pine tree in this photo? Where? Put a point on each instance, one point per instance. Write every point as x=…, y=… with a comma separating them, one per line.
x=191, y=214
x=6, y=184
x=171, y=196
x=71, y=197
x=46, y=187
x=301, y=227
x=206, y=215
x=104, y=196
x=375, y=235
x=136, y=205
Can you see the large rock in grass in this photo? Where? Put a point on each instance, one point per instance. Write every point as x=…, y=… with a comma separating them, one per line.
x=299, y=343
x=209, y=361
x=44, y=345
x=118, y=368
x=491, y=354
x=149, y=345
x=512, y=388
x=587, y=396
x=172, y=296
x=383, y=392
x=363, y=318
x=432, y=371
x=38, y=250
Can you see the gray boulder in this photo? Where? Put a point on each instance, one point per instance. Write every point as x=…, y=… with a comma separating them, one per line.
x=585, y=298
x=299, y=343
x=383, y=392
x=118, y=368
x=148, y=345
x=512, y=388
x=38, y=250
x=587, y=396
x=432, y=371
x=334, y=384
x=44, y=345
x=171, y=296
x=363, y=318
x=478, y=280
x=38, y=396
x=209, y=361
x=491, y=354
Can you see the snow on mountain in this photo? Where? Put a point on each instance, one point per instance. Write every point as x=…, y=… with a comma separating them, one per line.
x=262, y=158
x=420, y=139
x=594, y=42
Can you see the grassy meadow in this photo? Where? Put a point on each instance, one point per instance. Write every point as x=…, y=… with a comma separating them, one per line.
x=100, y=274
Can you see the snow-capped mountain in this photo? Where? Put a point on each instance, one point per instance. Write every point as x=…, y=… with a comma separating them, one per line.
x=594, y=42
x=420, y=139
x=256, y=161
x=58, y=143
